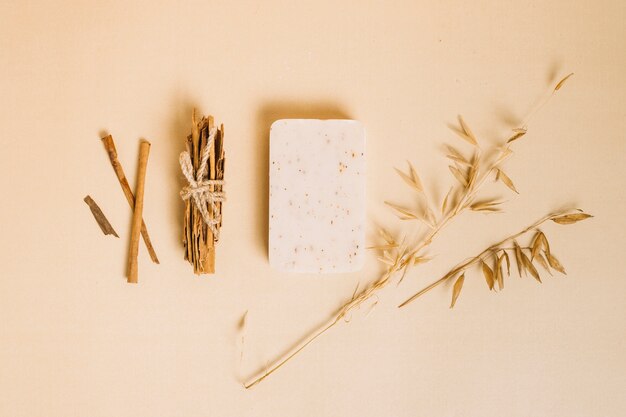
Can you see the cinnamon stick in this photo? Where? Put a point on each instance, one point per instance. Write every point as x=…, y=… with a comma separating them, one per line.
x=144, y=151
x=109, y=145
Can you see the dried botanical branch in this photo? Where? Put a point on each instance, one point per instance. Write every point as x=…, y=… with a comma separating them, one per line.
x=471, y=173
x=540, y=242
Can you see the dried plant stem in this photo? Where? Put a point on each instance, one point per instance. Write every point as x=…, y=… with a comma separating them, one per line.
x=144, y=151
x=485, y=253
x=109, y=145
x=354, y=302
x=297, y=349
x=542, y=102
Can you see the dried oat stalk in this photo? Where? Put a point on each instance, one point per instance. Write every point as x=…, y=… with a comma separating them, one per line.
x=198, y=238
x=495, y=261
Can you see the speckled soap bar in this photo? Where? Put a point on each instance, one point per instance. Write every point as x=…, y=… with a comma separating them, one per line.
x=317, y=195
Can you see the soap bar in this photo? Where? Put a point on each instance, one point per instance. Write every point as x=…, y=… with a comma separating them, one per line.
x=317, y=195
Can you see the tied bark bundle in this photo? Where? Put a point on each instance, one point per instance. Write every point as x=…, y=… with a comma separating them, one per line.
x=203, y=167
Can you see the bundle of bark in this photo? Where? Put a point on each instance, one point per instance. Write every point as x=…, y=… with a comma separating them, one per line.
x=198, y=238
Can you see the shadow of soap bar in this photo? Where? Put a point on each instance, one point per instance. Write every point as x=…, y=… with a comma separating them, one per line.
x=317, y=195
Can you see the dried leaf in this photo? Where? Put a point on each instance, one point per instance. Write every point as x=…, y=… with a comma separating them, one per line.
x=546, y=245
x=542, y=261
x=407, y=214
x=382, y=247
x=456, y=290
x=487, y=209
x=536, y=244
x=406, y=178
x=486, y=205
x=405, y=271
x=412, y=179
x=387, y=236
x=517, y=133
x=508, y=263
x=241, y=324
x=571, y=218
x=498, y=270
x=471, y=177
x=458, y=175
x=415, y=177
x=530, y=267
x=429, y=217
x=455, y=155
x=560, y=83
x=468, y=135
x=500, y=175
x=461, y=161
x=555, y=264
x=518, y=258
x=444, y=205
x=488, y=273
x=463, y=136
x=386, y=261
x=420, y=260
x=356, y=288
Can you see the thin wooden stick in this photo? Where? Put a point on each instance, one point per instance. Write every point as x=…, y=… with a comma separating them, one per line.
x=144, y=151
x=209, y=258
x=109, y=145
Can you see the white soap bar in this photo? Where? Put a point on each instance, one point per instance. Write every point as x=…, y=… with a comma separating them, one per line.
x=317, y=195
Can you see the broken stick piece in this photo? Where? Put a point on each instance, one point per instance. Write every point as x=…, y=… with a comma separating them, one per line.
x=144, y=151
x=109, y=145
x=203, y=166
x=101, y=219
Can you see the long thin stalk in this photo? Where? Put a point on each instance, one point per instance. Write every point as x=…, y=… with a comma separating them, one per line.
x=341, y=313
x=471, y=261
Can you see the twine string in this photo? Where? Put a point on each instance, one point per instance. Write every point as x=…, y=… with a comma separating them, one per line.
x=200, y=189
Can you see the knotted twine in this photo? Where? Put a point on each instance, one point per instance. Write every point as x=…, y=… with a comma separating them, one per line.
x=199, y=189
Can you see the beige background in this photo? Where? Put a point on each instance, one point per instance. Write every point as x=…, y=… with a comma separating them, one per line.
x=76, y=340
